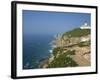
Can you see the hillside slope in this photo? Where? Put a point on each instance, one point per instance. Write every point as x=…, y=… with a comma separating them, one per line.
x=71, y=49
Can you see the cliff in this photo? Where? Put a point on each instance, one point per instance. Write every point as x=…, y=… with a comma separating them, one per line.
x=70, y=49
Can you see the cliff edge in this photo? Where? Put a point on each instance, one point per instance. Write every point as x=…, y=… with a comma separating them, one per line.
x=70, y=49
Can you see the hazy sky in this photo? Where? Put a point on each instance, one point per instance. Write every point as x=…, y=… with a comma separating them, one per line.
x=43, y=22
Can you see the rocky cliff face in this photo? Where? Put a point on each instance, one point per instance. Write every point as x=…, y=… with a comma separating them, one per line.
x=71, y=49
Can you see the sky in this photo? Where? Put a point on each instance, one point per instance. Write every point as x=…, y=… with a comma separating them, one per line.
x=47, y=22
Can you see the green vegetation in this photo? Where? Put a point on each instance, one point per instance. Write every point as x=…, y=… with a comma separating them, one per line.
x=63, y=60
x=69, y=46
x=83, y=44
x=70, y=52
x=77, y=32
x=63, y=54
x=57, y=50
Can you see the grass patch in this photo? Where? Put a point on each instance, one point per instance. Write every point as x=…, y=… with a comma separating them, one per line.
x=83, y=44
x=77, y=32
x=57, y=50
x=70, y=52
x=63, y=61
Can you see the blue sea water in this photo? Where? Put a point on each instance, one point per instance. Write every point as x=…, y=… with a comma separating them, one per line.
x=35, y=49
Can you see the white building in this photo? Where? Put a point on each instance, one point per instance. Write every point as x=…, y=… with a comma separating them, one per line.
x=85, y=26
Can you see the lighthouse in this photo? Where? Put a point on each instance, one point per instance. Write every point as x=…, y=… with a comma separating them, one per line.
x=85, y=26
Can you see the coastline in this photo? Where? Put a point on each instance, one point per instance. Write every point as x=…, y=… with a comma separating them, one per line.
x=44, y=63
x=69, y=51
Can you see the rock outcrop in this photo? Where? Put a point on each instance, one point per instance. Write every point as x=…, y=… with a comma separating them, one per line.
x=72, y=48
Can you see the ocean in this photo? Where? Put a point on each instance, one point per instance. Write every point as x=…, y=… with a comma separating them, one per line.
x=35, y=49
